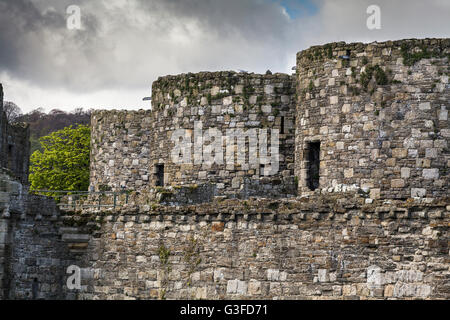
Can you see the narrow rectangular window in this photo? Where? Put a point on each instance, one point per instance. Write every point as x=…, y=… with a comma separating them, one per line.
x=160, y=175
x=261, y=169
x=282, y=125
x=313, y=167
x=10, y=157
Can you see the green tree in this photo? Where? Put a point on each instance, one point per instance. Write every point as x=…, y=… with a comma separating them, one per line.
x=63, y=163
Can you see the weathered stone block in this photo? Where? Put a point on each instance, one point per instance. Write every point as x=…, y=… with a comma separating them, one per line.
x=375, y=193
x=273, y=274
x=254, y=287
x=405, y=172
x=334, y=100
x=425, y=106
x=418, y=192
x=75, y=237
x=399, y=153
x=430, y=173
x=348, y=173
x=397, y=183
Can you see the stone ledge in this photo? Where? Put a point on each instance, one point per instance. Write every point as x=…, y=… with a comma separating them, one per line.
x=76, y=238
x=269, y=210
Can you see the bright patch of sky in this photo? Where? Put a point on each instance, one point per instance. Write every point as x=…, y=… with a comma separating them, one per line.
x=299, y=8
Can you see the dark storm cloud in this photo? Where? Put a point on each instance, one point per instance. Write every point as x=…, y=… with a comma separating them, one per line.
x=250, y=19
x=124, y=45
x=35, y=44
x=128, y=43
x=19, y=19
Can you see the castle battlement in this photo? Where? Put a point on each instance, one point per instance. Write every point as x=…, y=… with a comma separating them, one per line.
x=370, y=117
x=137, y=151
x=359, y=128
x=379, y=114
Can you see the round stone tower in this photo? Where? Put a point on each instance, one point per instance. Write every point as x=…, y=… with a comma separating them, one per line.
x=232, y=131
x=218, y=125
x=374, y=117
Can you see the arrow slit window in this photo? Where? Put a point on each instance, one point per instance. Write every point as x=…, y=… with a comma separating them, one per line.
x=313, y=165
x=159, y=175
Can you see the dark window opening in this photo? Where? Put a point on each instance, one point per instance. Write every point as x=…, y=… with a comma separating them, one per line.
x=160, y=175
x=35, y=289
x=313, y=154
x=282, y=125
x=10, y=157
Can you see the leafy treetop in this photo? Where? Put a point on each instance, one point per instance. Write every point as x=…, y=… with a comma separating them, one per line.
x=64, y=162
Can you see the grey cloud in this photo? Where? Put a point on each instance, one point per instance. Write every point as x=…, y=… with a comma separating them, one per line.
x=35, y=44
x=126, y=44
x=251, y=19
x=345, y=20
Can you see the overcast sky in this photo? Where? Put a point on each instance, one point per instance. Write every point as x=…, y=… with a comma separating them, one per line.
x=124, y=45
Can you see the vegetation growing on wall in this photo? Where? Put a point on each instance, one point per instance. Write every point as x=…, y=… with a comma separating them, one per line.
x=373, y=71
x=164, y=254
x=411, y=56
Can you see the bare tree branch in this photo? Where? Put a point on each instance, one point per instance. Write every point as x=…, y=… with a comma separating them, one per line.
x=13, y=112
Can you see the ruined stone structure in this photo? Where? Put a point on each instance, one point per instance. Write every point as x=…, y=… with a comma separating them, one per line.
x=382, y=124
x=131, y=148
x=14, y=145
x=326, y=247
x=359, y=208
x=364, y=121
x=28, y=228
x=31, y=249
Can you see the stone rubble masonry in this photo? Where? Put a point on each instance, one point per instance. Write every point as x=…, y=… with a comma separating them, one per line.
x=128, y=145
x=382, y=125
x=390, y=138
x=120, y=144
x=376, y=228
x=331, y=246
x=321, y=247
x=31, y=246
x=14, y=145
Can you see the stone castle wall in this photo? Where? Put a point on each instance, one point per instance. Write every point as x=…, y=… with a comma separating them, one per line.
x=381, y=117
x=128, y=146
x=379, y=112
x=389, y=139
x=321, y=248
x=326, y=247
x=33, y=254
x=120, y=150
x=226, y=101
x=36, y=258
x=14, y=145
